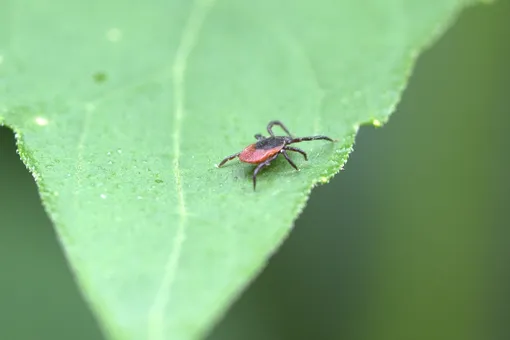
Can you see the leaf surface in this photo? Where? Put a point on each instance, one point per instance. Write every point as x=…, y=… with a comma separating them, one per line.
x=123, y=108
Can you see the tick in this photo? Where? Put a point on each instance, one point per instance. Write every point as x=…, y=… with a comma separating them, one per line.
x=266, y=149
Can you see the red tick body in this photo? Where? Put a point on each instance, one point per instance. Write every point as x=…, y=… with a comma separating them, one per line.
x=261, y=151
x=266, y=149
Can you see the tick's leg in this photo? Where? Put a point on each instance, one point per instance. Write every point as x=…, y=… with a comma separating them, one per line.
x=290, y=148
x=304, y=139
x=228, y=159
x=258, y=136
x=289, y=160
x=280, y=124
x=259, y=167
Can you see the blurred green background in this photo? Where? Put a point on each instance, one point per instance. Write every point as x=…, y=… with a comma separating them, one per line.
x=410, y=241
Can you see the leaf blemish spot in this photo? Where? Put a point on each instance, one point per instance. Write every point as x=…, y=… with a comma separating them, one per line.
x=100, y=77
x=1, y=59
x=41, y=121
x=114, y=35
x=158, y=180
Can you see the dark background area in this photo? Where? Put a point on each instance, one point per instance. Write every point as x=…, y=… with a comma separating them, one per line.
x=410, y=241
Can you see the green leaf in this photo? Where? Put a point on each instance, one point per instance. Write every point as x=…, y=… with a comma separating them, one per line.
x=122, y=109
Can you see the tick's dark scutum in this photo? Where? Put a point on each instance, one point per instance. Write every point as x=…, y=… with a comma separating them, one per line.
x=270, y=143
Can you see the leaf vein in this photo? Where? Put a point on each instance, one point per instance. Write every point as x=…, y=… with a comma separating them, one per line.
x=188, y=41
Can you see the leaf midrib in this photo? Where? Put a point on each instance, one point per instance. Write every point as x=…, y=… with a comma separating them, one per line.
x=189, y=38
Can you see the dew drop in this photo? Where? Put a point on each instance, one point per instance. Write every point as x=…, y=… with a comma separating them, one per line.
x=376, y=122
x=119, y=151
x=103, y=196
x=114, y=34
x=90, y=107
x=41, y=121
